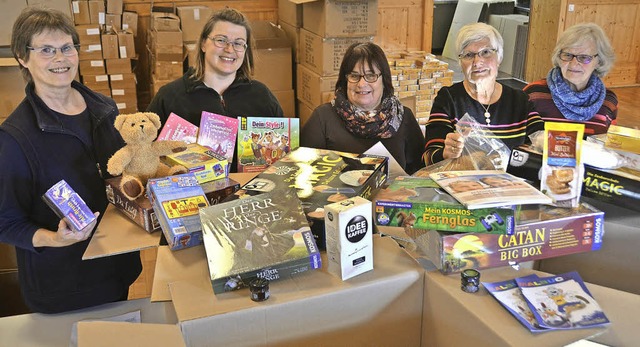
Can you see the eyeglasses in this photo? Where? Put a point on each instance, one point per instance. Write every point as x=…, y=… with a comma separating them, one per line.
x=368, y=77
x=50, y=52
x=223, y=42
x=581, y=58
x=484, y=54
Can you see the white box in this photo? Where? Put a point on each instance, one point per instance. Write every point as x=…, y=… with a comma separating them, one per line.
x=349, y=237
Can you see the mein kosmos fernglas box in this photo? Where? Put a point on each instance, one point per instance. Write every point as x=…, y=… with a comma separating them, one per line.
x=542, y=231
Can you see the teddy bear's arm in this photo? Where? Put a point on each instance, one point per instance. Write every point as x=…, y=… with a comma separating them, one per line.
x=119, y=161
x=165, y=147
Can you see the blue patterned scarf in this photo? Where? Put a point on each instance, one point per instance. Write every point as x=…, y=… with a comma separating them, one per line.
x=578, y=106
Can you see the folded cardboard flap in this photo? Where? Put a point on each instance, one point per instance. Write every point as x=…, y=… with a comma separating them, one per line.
x=188, y=265
x=268, y=35
x=97, y=333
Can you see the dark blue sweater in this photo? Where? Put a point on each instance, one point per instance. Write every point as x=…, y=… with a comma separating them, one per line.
x=36, y=151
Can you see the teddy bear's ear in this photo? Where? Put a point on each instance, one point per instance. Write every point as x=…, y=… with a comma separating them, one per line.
x=119, y=121
x=154, y=118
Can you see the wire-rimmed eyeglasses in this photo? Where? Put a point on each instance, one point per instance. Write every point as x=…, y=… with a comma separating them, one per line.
x=223, y=42
x=483, y=53
x=50, y=52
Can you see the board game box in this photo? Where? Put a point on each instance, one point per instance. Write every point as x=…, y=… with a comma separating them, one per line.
x=542, y=231
x=262, y=236
x=68, y=205
x=419, y=202
x=202, y=162
x=140, y=210
x=177, y=201
x=264, y=140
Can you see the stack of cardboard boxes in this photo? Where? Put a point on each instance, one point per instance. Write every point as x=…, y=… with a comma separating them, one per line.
x=107, y=51
x=322, y=30
x=417, y=77
x=192, y=20
x=164, y=42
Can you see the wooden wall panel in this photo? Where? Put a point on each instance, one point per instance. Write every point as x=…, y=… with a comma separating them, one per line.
x=405, y=25
x=620, y=19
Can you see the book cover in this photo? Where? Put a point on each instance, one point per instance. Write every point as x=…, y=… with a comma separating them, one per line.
x=542, y=231
x=219, y=133
x=262, y=236
x=177, y=201
x=264, y=140
x=177, y=128
x=68, y=205
x=562, y=302
x=510, y=297
x=419, y=202
x=488, y=188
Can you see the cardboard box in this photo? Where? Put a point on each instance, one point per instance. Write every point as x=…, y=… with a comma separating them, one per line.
x=141, y=211
x=163, y=21
x=293, y=34
x=323, y=55
x=272, y=65
x=89, y=34
x=177, y=200
x=126, y=45
x=124, y=95
x=192, y=20
x=97, y=12
x=541, y=232
x=126, y=104
x=201, y=161
x=290, y=12
x=10, y=11
x=130, y=22
x=105, y=333
x=90, y=52
x=123, y=81
x=349, y=232
x=287, y=100
x=167, y=70
x=419, y=202
x=104, y=91
x=619, y=187
x=166, y=45
x=96, y=81
x=113, y=22
x=329, y=18
x=311, y=86
x=81, y=14
x=114, y=6
x=118, y=66
x=110, y=46
x=92, y=67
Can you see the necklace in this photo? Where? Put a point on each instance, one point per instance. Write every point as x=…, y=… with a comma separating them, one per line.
x=487, y=115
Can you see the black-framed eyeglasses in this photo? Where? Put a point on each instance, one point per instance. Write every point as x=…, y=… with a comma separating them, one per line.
x=368, y=77
x=223, y=42
x=484, y=54
x=50, y=52
x=581, y=58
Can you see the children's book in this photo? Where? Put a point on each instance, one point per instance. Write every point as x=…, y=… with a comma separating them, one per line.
x=264, y=140
x=219, y=133
x=177, y=128
x=510, y=296
x=68, y=205
x=488, y=188
x=262, y=236
x=562, y=302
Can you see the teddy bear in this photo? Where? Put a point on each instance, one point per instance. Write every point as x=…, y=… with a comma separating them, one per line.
x=139, y=159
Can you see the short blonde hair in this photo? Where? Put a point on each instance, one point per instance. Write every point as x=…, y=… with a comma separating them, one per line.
x=577, y=35
x=475, y=32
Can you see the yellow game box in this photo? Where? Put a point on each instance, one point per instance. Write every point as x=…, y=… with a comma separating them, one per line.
x=202, y=161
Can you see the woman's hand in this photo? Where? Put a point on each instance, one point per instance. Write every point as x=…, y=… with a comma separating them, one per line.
x=64, y=236
x=453, y=145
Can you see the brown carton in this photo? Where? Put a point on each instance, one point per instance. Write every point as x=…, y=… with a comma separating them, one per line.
x=113, y=21
x=273, y=56
x=92, y=67
x=323, y=55
x=89, y=33
x=109, y=46
x=96, y=81
x=192, y=20
x=114, y=6
x=123, y=81
x=8, y=16
x=286, y=99
x=329, y=18
x=167, y=70
x=293, y=34
x=304, y=111
x=96, y=12
x=310, y=86
x=162, y=21
x=166, y=45
x=130, y=22
x=118, y=66
x=126, y=104
x=90, y=52
x=80, y=10
x=290, y=12
x=126, y=44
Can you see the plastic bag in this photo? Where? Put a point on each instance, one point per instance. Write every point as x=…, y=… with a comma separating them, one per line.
x=479, y=153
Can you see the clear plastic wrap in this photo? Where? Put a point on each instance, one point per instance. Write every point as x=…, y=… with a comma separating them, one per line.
x=479, y=153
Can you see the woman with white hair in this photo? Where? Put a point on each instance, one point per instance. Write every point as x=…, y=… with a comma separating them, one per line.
x=503, y=112
x=573, y=90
